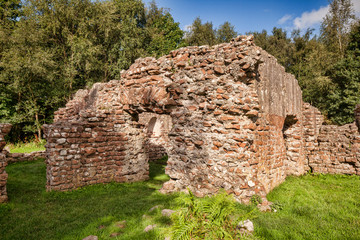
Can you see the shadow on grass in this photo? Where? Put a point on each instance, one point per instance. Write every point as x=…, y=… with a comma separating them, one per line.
x=33, y=213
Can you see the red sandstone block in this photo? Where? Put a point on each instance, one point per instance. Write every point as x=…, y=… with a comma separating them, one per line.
x=252, y=113
x=199, y=143
x=232, y=126
x=245, y=108
x=246, y=66
x=3, y=176
x=211, y=107
x=207, y=124
x=89, y=151
x=219, y=70
x=85, y=135
x=218, y=112
x=252, y=126
x=220, y=90
x=242, y=145
x=192, y=108
x=238, y=139
x=227, y=118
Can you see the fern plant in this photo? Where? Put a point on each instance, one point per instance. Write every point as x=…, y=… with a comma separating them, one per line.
x=207, y=218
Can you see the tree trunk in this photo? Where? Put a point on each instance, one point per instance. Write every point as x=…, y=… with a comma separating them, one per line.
x=38, y=127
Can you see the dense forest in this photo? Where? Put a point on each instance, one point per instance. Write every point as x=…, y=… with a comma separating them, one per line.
x=50, y=49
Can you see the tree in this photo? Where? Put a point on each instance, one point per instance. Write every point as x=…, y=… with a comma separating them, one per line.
x=335, y=26
x=277, y=44
x=129, y=44
x=225, y=33
x=200, y=34
x=346, y=76
x=26, y=76
x=60, y=46
x=354, y=39
x=164, y=33
x=9, y=11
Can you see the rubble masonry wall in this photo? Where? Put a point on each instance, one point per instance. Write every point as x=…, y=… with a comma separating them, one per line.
x=227, y=116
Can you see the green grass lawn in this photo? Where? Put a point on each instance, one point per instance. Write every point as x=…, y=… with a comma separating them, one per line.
x=310, y=207
x=33, y=213
x=314, y=207
x=27, y=147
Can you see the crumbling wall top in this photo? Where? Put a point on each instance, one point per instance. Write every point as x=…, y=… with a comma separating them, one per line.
x=156, y=83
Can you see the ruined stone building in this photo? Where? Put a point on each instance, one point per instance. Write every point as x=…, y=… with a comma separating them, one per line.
x=227, y=116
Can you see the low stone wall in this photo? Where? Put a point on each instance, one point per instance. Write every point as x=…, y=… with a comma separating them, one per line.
x=337, y=150
x=331, y=148
x=4, y=130
x=22, y=157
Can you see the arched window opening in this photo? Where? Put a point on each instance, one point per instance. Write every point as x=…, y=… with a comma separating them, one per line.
x=154, y=128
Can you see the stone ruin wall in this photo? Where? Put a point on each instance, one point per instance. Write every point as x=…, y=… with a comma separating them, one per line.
x=331, y=148
x=227, y=116
x=23, y=157
x=4, y=130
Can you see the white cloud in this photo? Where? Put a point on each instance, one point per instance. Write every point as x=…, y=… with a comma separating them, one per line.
x=284, y=19
x=187, y=27
x=309, y=19
x=356, y=6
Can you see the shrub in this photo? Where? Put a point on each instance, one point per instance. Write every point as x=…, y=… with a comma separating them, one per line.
x=207, y=218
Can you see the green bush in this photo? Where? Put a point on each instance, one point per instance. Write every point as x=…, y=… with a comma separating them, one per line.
x=207, y=218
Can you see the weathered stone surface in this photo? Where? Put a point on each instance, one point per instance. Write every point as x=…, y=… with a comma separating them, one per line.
x=357, y=116
x=246, y=226
x=167, y=212
x=154, y=208
x=91, y=237
x=121, y=224
x=228, y=116
x=22, y=157
x=4, y=130
x=115, y=234
x=150, y=227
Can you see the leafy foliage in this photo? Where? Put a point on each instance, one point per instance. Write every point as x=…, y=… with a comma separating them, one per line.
x=206, y=218
x=49, y=50
x=165, y=33
x=335, y=25
x=255, y=200
x=205, y=34
x=346, y=77
x=225, y=32
x=200, y=34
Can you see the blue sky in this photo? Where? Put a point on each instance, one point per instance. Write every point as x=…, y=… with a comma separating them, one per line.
x=251, y=15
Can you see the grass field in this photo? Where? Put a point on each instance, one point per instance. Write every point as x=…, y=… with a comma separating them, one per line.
x=27, y=147
x=314, y=207
x=33, y=213
x=309, y=207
